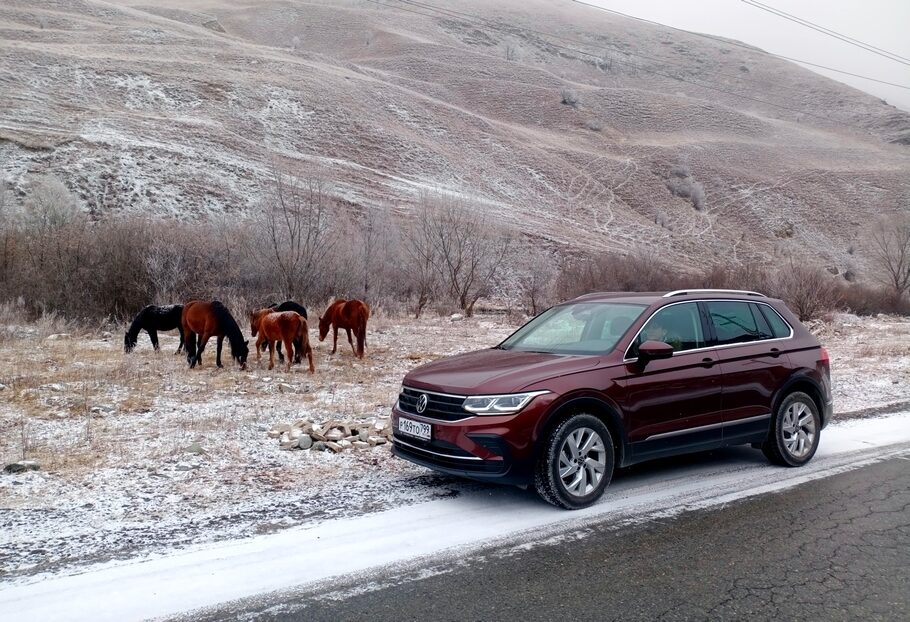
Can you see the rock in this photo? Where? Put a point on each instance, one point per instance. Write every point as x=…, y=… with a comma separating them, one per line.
x=380, y=424
x=456, y=317
x=194, y=448
x=183, y=466
x=21, y=466
x=305, y=441
x=291, y=444
x=361, y=445
x=58, y=337
x=377, y=440
x=295, y=433
x=363, y=435
x=305, y=425
x=319, y=446
x=345, y=443
x=285, y=388
x=104, y=410
x=2, y=387
x=334, y=447
x=106, y=334
x=335, y=435
x=317, y=435
x=274, y=433
x=263, y=428
x=56, y=387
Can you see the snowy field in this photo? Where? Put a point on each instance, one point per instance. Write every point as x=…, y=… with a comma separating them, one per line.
x=140, y=456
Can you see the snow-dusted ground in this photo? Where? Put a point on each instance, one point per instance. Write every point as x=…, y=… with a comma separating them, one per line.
x=438, y=530
x=114, y=435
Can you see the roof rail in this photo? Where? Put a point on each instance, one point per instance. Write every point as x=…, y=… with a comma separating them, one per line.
x=742, y=292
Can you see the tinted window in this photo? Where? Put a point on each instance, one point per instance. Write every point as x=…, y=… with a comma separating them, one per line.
x=678, y=325
x=734, y=322
x=763, y=329
x=779, y=328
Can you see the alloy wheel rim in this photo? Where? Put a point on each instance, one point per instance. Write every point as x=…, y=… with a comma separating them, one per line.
x=798, y=429
x=582, y=462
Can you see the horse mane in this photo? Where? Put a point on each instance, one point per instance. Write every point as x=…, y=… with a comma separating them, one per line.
x=132, y=333
x=228, y=324
x=290, y=305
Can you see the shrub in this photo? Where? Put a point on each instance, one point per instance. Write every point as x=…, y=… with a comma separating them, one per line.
x=569, y=96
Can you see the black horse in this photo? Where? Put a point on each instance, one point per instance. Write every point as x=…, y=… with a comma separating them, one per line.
x=152, y=319
x=288, y=305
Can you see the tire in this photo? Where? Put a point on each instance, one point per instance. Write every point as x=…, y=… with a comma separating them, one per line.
x=795, y=431
x=561, y=452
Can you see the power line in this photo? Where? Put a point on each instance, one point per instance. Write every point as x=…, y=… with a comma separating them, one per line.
x=827, y=31
x=740, y=45
x=471, y=19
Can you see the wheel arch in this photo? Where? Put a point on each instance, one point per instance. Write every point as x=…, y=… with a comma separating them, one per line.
x=801, y=381
x=592, y=405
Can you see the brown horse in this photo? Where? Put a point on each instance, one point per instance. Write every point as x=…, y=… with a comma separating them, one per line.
x=211, y=319
x=346, y=314
x=281, y=326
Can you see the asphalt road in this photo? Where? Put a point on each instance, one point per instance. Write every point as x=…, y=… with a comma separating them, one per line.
x=837, y=548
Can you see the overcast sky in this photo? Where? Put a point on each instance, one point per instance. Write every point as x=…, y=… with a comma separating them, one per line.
x=882, y=23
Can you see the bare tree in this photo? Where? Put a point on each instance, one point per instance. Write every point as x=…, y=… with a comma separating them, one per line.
x=891, y=253
x=808, y=290
x=418, y=245
x=535, y=279
x=469, y=251
x=294, y=230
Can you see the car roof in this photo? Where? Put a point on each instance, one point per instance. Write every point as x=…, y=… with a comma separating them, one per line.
x=650, y=298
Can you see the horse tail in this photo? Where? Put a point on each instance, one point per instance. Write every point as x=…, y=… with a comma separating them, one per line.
x=132, y=333
x=189, y=346
x=362, y=329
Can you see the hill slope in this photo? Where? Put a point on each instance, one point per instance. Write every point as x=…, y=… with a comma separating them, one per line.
x=177, y=107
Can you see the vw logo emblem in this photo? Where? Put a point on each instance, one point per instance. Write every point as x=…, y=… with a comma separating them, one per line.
x=422, y=403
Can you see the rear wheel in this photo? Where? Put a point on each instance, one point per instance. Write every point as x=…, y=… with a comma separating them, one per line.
x=795, y=431
x=576, y=464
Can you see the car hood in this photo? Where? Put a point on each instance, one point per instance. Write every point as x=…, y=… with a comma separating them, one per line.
x=494, y=371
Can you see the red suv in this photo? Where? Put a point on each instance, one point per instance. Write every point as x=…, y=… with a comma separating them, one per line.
x=608, y=380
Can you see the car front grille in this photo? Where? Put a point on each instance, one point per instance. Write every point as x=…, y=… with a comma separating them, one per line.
x=439, y=406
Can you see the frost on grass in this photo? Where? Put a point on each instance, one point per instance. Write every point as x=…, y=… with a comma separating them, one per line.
x=138, y=454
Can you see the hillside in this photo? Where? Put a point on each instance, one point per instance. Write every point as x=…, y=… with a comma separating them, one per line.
x=177, y=107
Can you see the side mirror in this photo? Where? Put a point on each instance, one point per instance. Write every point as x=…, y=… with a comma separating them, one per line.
x=651, y=350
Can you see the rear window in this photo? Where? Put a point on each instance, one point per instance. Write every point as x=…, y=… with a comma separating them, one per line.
x=779, y=328
x=734, y=322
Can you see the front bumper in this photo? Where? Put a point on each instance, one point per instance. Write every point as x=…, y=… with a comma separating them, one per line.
x=498, y=448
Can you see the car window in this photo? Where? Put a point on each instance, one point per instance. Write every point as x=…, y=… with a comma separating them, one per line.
x=575, y=328
x=779, y=328
x=678, y=325
x=764, y=330
x=734, y=322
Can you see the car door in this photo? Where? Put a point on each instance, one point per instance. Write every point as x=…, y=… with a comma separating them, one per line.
x=754, y=365
x=672, y=405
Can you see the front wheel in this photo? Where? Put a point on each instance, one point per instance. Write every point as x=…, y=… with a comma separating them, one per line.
x=795, y=431
x=576, y=464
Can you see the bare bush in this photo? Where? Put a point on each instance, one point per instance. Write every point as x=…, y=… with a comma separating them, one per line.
x=535, y=280
x=568, y=97
x=808, y=291
x=419, y=247
x=682, y=184
x=595, y=125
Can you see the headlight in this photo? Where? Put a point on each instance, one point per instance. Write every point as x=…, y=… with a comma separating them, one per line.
x=499, y=404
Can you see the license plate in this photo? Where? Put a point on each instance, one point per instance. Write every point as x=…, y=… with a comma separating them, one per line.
x=415, y=428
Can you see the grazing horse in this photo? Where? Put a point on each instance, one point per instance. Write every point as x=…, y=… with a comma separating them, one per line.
x=287, y=305
x=277, y=326
x=152, y=319
x=211, y=319
x=346, y=314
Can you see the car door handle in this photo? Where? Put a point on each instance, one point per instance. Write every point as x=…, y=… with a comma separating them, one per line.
x=707, y=362
x=775, y=352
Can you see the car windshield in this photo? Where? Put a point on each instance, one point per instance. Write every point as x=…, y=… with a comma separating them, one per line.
x=575, y=328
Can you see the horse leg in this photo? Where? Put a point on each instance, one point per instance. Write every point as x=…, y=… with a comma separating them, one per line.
x=260, y=346
x=351, y=341
x=335, y=339
x=309, y=355
x=280, y=355
x=182, y=340
x=289, y=348
x=220, y=342
x=204, y=339
x=153, y=336
x=298, y=350
x=191, y=349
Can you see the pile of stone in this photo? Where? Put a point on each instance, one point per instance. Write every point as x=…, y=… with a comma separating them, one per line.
x=335, y=436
